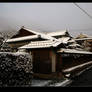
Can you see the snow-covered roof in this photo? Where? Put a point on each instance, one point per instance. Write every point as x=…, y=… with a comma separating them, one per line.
x=74, y=45
x=89, y=38
x=57, y=33
x=41, y=44
x=73, y=51
x=72, y=40
x=43, y=36
x=81, y=36
x=31, y=31
x=47, y=37
x=22, y=38
x=64, y=39
x=37, y=35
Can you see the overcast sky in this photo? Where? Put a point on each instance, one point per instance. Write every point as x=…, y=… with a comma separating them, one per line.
x=46, y=17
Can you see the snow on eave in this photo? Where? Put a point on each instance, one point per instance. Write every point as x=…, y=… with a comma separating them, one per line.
x=57, y=43
x=76, y=67
x=42, y=34
x=74, y=51
x=74, y=45
x=89, y=38
x=25, y=38
x=22, y=38
x=64, y=39
x=33, y=47
x=57, y=33
x=48, y=37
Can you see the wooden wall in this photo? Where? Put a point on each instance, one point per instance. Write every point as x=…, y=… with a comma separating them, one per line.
x=41, y=61
x=46, y=61
x=58, y=62
x=75, y=59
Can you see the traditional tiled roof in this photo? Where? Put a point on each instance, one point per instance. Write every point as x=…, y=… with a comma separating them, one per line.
x=57, y=33
x=41, y=34
x=26, y=38
x=41, y=44
x=37, y=35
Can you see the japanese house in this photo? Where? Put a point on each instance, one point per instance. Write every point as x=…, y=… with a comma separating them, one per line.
x=51, y=52
x=85, y=41
x=25, y=36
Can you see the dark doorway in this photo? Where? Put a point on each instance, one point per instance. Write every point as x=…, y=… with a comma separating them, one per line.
x=41, y=62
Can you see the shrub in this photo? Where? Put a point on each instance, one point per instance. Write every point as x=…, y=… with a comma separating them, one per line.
x=15, y=69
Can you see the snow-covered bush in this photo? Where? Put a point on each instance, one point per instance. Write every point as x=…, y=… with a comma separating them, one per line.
x=1, y=40
x=15, y=69
x=4, y=47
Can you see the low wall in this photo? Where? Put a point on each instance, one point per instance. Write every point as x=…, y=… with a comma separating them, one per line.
x=73, y=71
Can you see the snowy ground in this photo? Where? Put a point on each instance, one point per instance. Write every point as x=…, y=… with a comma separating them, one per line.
x=50, y=83
x=39, y=83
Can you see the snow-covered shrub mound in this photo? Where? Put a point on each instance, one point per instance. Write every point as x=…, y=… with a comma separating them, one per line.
x=15, y=69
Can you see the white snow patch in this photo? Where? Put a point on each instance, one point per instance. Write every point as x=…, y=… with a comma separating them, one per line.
x=57, y=33
x=75, y=67
x=39, y=83
x=62, y=84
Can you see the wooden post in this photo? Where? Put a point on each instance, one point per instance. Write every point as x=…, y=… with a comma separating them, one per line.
x=31, y=54
x=53, y=62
